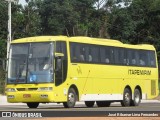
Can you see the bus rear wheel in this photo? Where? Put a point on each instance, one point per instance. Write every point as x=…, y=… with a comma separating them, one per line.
x=89, y=103
x=71, y=100
x=33, y=104
x=103, y=103
x=126, y=98
x=137, y=98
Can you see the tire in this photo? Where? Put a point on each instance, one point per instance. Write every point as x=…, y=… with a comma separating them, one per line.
x=71, y=99
x=137, y=98
x=103, y=103
x=127, y=97
x=89, y=103
x=33, y=104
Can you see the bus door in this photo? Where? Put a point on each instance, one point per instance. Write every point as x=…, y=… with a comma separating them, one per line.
x=60, y=71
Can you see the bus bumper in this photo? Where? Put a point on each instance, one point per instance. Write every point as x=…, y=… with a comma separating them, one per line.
x=24, y=97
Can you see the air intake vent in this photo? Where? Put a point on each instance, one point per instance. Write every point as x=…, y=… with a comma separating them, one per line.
x=20, y=89
x=27, y=89
x=153, y=87
x=32, y=89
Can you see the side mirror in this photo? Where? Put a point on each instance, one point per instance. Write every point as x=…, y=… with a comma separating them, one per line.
x=58, y=61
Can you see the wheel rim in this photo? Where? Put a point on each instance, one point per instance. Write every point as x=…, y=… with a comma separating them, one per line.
x=71, y=98
x=137, y=98
x=127, y=98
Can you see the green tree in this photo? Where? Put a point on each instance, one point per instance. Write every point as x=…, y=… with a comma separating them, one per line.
x=17, y=21
x=3, y=28
x=32, y=19
x=137, y=23
x=25, y=20
x=67, y=17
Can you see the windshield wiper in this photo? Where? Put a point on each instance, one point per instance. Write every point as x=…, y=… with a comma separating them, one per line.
x=19, y=75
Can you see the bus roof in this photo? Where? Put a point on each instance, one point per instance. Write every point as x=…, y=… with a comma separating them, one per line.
x=83, y=39
x=89, y=39
x=110, y=42
x=39, y=39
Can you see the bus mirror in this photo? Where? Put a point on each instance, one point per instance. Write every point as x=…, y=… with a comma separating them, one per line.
x=58, y=61
x=57, y=55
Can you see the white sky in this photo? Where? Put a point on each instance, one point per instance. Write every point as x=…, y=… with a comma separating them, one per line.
x=22, y=2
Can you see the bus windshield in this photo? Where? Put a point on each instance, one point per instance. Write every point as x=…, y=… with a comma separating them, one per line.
x=30, y=63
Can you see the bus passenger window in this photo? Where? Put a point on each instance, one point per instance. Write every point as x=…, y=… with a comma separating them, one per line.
x=152, y=59
x=82, y=54
x=125, y=61
x=141, y=62
x=133, y=62
x=144, y=58
x=90, y=58
x=152, y=63
x=107, y=60
x=81, y=57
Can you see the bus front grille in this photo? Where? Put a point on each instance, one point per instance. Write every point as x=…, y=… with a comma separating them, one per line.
x=27, y=89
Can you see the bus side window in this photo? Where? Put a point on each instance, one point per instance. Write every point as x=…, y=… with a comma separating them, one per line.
x=141, y=62
x=95, y=54
x=144, y=58
x=119, y=56
x=82, y=53
x=108, y=55
x=107, y=60
x=152, y=59
x=81, y=57
x=132, y=57
x=90, y=58
x=102, y=55
x=133, y=61
x=73, y=52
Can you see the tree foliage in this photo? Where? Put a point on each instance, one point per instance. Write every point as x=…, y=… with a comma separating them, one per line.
x=130, y=21
x=3, y=28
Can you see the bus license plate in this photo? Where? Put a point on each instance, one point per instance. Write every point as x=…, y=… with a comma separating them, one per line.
x=26, y=95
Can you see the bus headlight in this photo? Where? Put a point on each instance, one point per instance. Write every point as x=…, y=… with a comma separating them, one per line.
x=45, y=89
x=10, y=90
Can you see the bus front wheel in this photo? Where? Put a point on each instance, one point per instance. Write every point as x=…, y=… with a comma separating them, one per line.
x=126, y=98
x=71, y=99
x=33, y=105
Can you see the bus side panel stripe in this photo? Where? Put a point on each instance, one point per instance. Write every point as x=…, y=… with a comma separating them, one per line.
x=100, y=97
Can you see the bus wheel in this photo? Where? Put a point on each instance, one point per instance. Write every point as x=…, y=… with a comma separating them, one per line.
x=33, y=104
x=126, y=98
x=103, y=103
x=137, y=98
x=89, y=103
x=71, y=100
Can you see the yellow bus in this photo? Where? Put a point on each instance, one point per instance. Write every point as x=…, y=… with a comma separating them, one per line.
x=60, y=69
